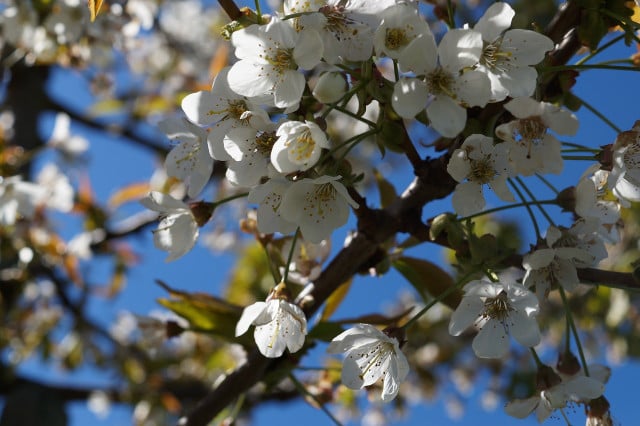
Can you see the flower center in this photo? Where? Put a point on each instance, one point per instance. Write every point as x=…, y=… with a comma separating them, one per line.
x=375, y=357
x=532, y=129
x=482, y=171
x=265, y=142
x=631, y=157
x=235, y=109
x=492, y=57
x=336, y=20
x=303, y=148
x=498, y=307
x=394, y=38
x=440, y=82
x=282, y=60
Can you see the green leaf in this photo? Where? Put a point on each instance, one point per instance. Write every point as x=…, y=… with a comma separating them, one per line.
x=428, y=279
x=387, y=191
x=335, y=300
x=203, y=311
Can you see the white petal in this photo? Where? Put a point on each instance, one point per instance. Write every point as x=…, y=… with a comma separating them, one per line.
x=420, y=56
x=409, y=97
x=460, y=48
x=248, y=78
x=495, y=20
x=492, y=340
x=499, y=186
x=521, y=408
x=288, y=92
x=446, y=116
x=524, y=329
x=308, y=50
x=465, y=315
x=467, y=199
x=249, y=314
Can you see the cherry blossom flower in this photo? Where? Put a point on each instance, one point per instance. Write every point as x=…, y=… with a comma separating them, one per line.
x=317, y=206
x=190, y=160
x=370, y=355
x=508, y=56
x=224, y=110
x=478, y=162
x=269, y=196
x=298, y=147
x=556, y=393
x=250, y=152
x=444, y=82
x=346, y=27
x=624, y=179
x=400, y=25
x=532, y=148
x=279, y=323
x=178, y=231
x=498, y=310
x=71, y=146
x=269, y=56
x=564, y=251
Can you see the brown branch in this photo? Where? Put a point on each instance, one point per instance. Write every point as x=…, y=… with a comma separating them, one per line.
x=230, y=8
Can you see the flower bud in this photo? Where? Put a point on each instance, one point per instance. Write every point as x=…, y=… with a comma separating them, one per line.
x=331, y=86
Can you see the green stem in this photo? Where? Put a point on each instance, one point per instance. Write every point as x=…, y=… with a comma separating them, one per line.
x=231, y=198
x=536, y=358
x=344, y=99
x=600, y=49
x=548, y=184
x=528, y=207
x=355, y=116
x=437, y=300
x=579, y=158
x=598, y=114
x=290, y=256
x=588, y=67
x=258, y=11
x=452, y=22
x=533, y=197
x=396, y=71
x=572, y=150
x=507, y=207
x=304, y=391
x=577, y=145
x=574, y=330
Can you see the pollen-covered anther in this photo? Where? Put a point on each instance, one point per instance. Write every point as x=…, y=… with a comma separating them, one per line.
x=395, y=38
x=498, y=307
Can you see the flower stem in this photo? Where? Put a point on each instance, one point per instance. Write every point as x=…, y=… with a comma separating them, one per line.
x=574, y=330
x=548, y=184
x=452, y=22
x=304, y=391
x=437, y=300
x=230, y=198
x=600, y=49
x=528, y=207
x=579, y=157
x=533, y=197
x=598, y=114
x=507, y=207
x=354, y=116
x=589, y=67
x=290, y=256
x=258, y=11
x=536, y=358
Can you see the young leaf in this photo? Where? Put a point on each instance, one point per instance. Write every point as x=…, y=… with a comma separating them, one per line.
x=428, y=279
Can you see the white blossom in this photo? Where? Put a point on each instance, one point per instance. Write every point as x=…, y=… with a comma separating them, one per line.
x=269, y=196
x=190, y=160
x=346, y=27
x=298, y=147
x=498, y=310
x=577, y=389
x=401, y=24
x=478, y=162
x=330, y=87
x=317, y=206
x=508, y=56
x=279, y=323
x=444, y=82
x=624, y=179
x=370, y=355
x=223, y=110
x=269, y=56
x=250, y=152
x=178, y=231
x=532, y=148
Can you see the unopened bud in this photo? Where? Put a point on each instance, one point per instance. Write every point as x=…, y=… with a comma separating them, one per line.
x=330, y=88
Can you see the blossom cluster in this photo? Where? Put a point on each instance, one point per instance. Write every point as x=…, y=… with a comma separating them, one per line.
x=263, y=120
